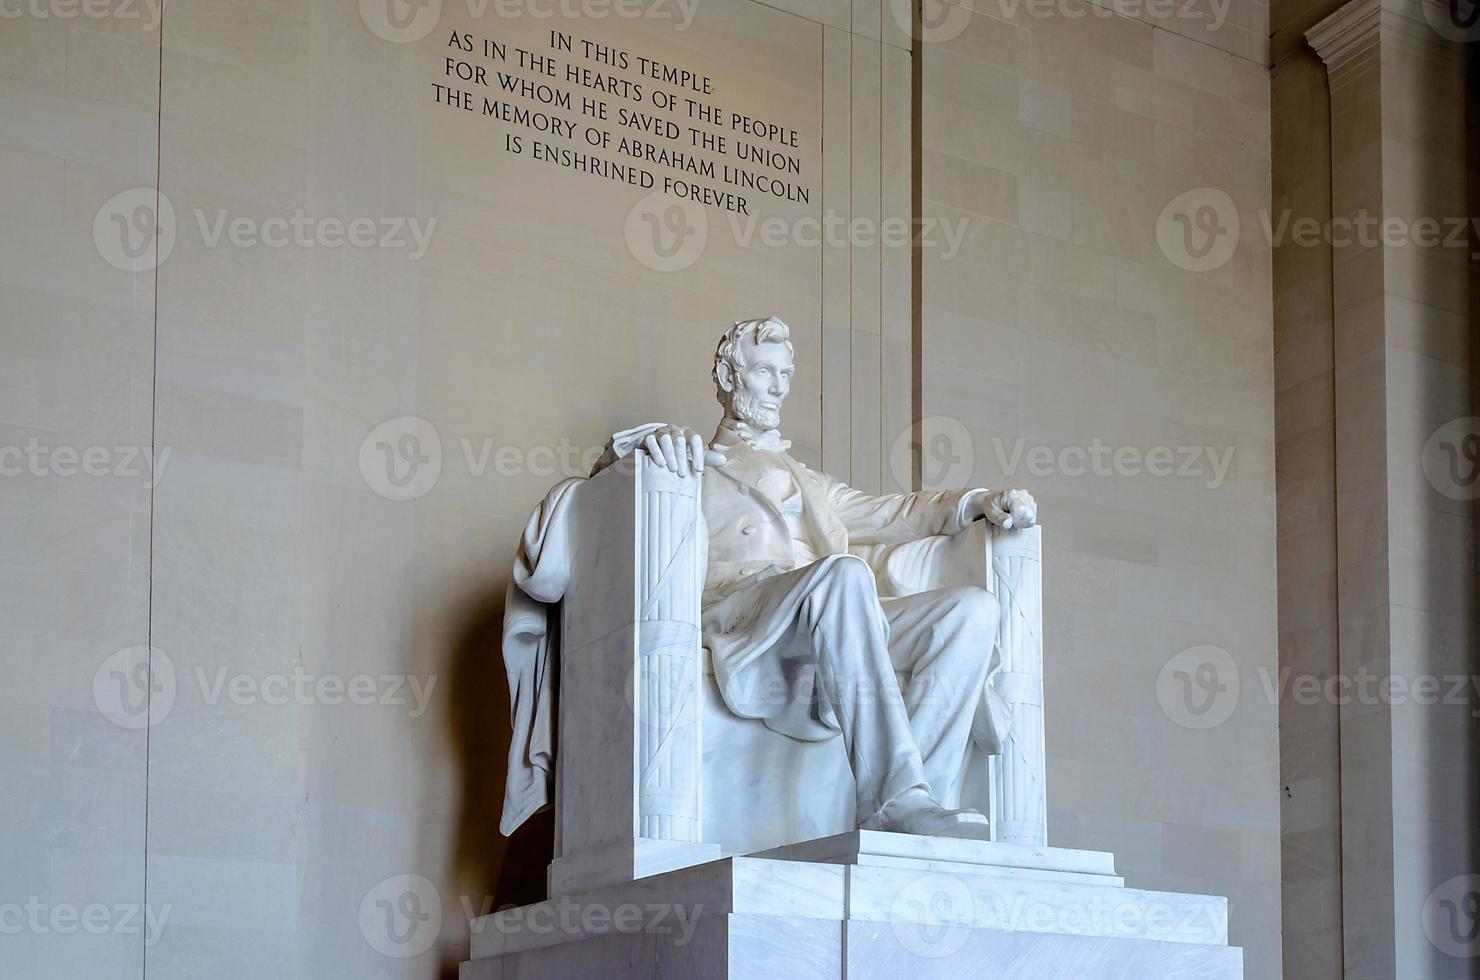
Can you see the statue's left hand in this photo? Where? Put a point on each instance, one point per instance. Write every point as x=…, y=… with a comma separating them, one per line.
x=677, y=447
x=1009, y=509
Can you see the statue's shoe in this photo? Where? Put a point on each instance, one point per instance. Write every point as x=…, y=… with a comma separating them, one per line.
x=917, y=812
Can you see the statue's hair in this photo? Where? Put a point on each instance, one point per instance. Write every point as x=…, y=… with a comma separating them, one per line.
x=767, y=330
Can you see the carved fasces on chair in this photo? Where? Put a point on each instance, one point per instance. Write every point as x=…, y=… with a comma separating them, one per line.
x=666, y=691
x=630, y=751
x=1008, y=564
x=1019, y=787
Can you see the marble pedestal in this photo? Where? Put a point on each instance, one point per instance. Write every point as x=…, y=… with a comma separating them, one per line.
x=867, y=905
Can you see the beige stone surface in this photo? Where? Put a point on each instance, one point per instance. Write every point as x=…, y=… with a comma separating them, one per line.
x=77, y=126
x=536, y=323
x=1063, y=322
x=264, y=371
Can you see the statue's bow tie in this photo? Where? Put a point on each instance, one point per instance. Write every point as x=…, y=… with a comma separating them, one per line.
x=764, y=440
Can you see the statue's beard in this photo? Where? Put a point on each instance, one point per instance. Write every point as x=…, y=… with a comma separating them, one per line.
x=748, y=409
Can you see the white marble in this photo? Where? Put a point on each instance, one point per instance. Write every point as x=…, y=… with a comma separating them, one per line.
x=942, y=908
x=872, y=847
x=744, y=946
x=692, y=577
x=733, y=886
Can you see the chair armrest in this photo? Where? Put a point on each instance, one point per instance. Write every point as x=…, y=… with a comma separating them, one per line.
x=630, y=750
x=940, y=561
x=1009, y=565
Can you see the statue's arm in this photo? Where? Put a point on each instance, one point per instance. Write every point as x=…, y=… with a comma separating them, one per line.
x=896, y=517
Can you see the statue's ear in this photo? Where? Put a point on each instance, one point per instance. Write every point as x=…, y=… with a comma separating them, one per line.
x=725, y=375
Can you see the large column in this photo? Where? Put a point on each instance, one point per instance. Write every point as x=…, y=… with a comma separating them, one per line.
x=1404, y=544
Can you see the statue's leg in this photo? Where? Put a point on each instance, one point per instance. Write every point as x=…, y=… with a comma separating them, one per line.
x=943, y=641
x=856, y=681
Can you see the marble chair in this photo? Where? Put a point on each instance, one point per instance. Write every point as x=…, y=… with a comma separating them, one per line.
x=654, y=772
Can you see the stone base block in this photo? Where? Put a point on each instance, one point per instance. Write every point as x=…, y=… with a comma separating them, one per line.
x=754, y=947
x=867, y=905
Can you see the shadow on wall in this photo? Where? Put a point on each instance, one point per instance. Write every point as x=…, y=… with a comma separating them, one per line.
x=485, y=863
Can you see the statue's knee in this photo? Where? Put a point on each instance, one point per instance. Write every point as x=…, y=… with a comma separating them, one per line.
x=851, y=572
x=977, y=606
x=844, y=579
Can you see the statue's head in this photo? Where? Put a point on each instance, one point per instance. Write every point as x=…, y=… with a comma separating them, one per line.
x=753, y=366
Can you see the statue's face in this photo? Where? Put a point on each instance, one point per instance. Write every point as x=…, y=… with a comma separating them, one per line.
x=760, y=387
